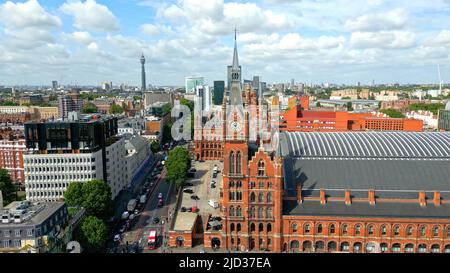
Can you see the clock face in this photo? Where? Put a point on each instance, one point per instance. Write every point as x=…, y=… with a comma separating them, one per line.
x=236, y=126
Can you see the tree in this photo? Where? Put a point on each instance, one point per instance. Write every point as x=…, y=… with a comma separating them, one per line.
x=318, y=104
x=89, y=108
x=73, y=196
x=349, y=106
x=392, y=113
x=178, y=164
x=167, y=133
x=97, y=199
x=7, y=187
x=166, y=109
x=116, y=109
x=155, y=147
x=93, y=233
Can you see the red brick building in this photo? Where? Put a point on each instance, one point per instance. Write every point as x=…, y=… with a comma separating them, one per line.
x=299, y=120
x=12, y=147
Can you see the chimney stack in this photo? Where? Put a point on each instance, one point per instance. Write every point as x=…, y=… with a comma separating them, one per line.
x=437, y=198
x=299, y=193
x=422, y=199
x=323, y=199
x=348, y=200
x=372, y=197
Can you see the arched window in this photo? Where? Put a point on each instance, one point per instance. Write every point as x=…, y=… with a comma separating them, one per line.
x=239, y=211
x=261, y=227
x=269, y=197
x=435, y=248
x=383, y=230
x=252, y=212
x=435, y=231
x=238, y=227
x=294, y=227
x=396, y=230
x=307, y=229
x=252, y=227
x=319, y=228
x=423, y=231
x=269, y=227
x=409, y=248
x=232, y=227
x=396, y=247
x=261, y=212
x=358, y=229
x=231, y=184
x=232, y=211
x=345, y=246
x=231, y=162
x=370, y=229
x=261, y=197
x=238, y=163
x=332, y=229
x=252, y=197
x=344, y=229
x=269, y=213
x=422, y=248
x=261, y=170
x=409, y=230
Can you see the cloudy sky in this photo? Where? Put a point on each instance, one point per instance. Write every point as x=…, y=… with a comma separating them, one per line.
x=340, y=41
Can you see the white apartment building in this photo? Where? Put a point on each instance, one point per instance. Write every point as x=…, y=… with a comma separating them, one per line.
x=137, y=151
x=116, y=166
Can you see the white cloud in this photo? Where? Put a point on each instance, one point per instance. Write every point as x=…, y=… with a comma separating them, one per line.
x=442, y=39
x=90, y=15
x=93, y=46
x=383, y=39
x=392, y=20
x=149, y=29
x=27, y=14
x=82, y=37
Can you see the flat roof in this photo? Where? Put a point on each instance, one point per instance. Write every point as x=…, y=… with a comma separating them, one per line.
x=185, y=221
x=39, y=212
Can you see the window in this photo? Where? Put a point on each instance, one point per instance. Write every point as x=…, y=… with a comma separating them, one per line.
x=332, y=229
x=294, y=227
x=436, y=231
x=261, y=227
x=269, y=213
x=344, y=229
x=423, y=231
x=29, y=232
x=239, y=212
x=269, y=197
x=370, y=230
x=231, y=162
x=261, y=197
x=17, y=233
x=319, y=228
x=396, y=230
x=383, y=230
x=252, y=227
x=232, y=227
x=448, y=231
x=252, y=212
x=358, y=229
x=307, y=229
x=261, y=168
x=238, y=163
x=269, y=227
x=409, y=231
x=252, y=197
x=409, y=248
x=260, y=212
x=232, y=211
x=238, y=227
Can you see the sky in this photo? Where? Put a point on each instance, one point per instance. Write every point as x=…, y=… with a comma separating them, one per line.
x=312, y=41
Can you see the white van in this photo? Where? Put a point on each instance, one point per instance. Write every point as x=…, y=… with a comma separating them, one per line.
x=213, y=204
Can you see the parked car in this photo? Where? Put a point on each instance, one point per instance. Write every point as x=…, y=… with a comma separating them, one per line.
x=160, y=195
x=213, y=186
x=193, y=170
x=183, y=209
x=117, y=238
x=189, y=184
x=160, y=203
x=155, y=220
x=188, y=191
x=195, y=197
x=214, y=175
x=189, y=209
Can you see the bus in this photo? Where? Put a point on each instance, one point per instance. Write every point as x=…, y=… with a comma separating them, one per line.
x=151, y=240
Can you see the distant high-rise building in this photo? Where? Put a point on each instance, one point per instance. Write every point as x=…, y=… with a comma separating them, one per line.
x=292, y=84
x=219, y=91
x=54, y=85
x=69, y=103
x=203, y=98
x=192, y=83
x=144, y=85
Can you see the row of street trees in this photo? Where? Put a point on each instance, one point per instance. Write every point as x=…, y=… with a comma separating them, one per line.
x=95, y=197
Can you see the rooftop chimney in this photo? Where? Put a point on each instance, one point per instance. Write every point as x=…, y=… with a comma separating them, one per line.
x=437, y=198
x=323, y=199
x=348, y=200
x=372, y=197
x=422, y=199
x=299, y=193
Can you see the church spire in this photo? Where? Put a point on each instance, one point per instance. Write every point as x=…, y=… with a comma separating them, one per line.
x=235, y=65
x=235, y=79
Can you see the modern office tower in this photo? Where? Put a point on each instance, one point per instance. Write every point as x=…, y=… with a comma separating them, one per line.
x=219, y=91
x=79, y=149
x=255, y=83
x=292, y=84
x=192, y=83
x=69, y=103
x=203, y=98
x=54, y=85
x=144, y=85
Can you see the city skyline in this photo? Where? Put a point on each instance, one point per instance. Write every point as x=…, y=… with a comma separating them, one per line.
x=88, y=42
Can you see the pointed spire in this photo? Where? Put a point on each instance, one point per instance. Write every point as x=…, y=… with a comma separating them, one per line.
x=235, y=65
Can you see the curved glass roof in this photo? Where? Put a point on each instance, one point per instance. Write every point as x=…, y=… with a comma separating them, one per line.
x=367, y=144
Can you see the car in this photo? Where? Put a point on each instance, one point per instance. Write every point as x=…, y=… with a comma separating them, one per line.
x=160, y=195
x=183, y=209
x=155, y=220
x=195, y=197
x=136, y=211
x=132, y=216
x=189, y=209
x=188, y=191
x=214, y=175
x=117, y=238
x=123, y=229
x=213, y=186
x=160, y=203
x=193, y=170
x=189, y=184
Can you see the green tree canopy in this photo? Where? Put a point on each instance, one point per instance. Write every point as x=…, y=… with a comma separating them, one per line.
x=178, y=164
x=93, y=233
x=7, y=187
x=432, y=107
x=116, y=109
x=155, y=147
x=94, y=196
x=89, y=108
x=73, y=196
x=392, y=113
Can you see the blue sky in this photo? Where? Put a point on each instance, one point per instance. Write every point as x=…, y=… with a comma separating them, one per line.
x=342, y=41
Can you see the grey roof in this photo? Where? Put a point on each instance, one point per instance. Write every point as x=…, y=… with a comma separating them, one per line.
x=411, y=145
x=364, y=209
